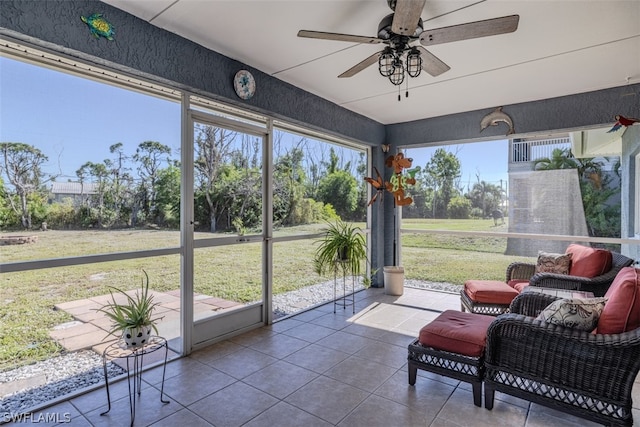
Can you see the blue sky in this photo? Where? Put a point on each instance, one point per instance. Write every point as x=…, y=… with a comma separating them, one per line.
x=488, y=160
x=74, y=120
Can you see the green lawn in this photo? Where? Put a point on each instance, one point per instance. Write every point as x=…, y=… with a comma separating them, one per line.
x=233, y=272
x=454, y=259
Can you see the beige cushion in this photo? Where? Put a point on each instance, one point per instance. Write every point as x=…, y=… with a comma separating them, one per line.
x=582, y=314
x=553, y=263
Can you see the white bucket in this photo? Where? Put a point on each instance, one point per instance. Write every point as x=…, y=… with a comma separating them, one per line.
x=393, y=280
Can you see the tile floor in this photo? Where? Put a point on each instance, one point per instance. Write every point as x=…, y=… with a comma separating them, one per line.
x=314, y=369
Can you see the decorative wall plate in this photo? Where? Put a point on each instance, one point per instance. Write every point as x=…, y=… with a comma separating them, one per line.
x=244, y=84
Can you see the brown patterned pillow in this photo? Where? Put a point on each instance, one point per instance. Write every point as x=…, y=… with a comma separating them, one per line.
x=582, y=314
x=553, y=263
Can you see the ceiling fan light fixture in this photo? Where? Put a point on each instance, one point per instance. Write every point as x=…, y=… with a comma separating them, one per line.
x=397, y=77
x=386, y=62
x=414, y=63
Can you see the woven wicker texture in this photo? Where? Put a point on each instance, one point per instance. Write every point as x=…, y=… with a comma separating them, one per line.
x=587, y=375
x=598, y=285
x=463, y=368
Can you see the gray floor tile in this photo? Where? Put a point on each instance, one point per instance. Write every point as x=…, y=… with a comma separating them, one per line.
x=215, y=351
x=309, y=332
x=279, y=345
x=233, y=405
x=460, y=410
x=149, y=409
x=286, y=415
x=183, y=417
x=540, y=416
x=280, y=379
x=243, y=362
x=317, y=358
x=378, y=411
x=328, y=399
x=362, y=373
x=386, y=354
x=426, y=396
x=347, y=343
x=190, y=386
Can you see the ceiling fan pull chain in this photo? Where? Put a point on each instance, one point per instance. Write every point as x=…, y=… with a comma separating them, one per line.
x=406, y=95
x=399, y=96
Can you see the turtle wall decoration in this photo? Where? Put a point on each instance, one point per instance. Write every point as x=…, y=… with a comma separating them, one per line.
x=99, y=26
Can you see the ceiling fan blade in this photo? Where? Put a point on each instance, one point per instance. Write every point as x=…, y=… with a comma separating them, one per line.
x=406, y=16
x=361, y=65
x=338, y=36
x=431, y=63
x=470, y=30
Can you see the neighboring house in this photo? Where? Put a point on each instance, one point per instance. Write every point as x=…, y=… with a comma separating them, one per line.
x=550, y=202
x=78, y=192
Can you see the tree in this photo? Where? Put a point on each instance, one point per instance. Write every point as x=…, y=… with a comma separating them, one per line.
x=151, y=155
x=340, y=189
x=7, y=215
x=561, y=158
x=485, y=196
x=119, y=177
x=212, y=146
x=99, y=173
x=21, y=164
x=289, y=181
x=168, y=195
x=442, y=173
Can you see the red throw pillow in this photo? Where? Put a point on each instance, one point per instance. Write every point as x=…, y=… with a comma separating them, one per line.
x=588, y=262
x=622, y=311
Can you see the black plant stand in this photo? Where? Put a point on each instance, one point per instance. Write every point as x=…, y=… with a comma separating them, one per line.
x=135, y=356
x=343, y=300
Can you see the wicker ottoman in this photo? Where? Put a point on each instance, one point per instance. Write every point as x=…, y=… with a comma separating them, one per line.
x=452, y=345
x=486, y=297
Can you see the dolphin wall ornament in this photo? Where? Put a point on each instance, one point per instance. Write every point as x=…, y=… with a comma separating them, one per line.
x=495, y=117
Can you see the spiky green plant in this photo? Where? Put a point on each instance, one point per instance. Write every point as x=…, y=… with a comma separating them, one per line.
x=135, y=313
x=342, y=247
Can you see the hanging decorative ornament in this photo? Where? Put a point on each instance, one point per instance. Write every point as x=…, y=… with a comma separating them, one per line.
x=99, y=26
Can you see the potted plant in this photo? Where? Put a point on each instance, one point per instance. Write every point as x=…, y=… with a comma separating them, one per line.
x=133, y=319
x=343, y=247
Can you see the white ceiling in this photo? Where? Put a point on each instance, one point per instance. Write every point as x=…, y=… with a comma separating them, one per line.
x=560, y=48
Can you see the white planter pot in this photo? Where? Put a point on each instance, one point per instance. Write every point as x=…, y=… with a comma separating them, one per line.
x=137, y=337
x=393, y=280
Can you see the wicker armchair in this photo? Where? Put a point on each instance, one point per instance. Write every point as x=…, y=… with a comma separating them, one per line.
x=598, y=285
x=581, y=373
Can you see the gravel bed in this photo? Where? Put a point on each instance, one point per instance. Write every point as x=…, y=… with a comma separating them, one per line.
x=61, y=375
x=46, y=380
x=291, y=302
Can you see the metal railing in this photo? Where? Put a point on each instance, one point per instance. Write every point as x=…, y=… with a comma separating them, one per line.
x=530, y=150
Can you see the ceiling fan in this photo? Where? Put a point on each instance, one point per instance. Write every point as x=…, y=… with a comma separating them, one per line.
x=401, y=28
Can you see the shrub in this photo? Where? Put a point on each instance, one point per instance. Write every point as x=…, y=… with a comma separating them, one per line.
x=459, y=208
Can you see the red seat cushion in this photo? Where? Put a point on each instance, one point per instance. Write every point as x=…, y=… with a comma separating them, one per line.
x=622, y=310
x=518, y=284
x=489, y=291
x=589, y=262
x=457, y=332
